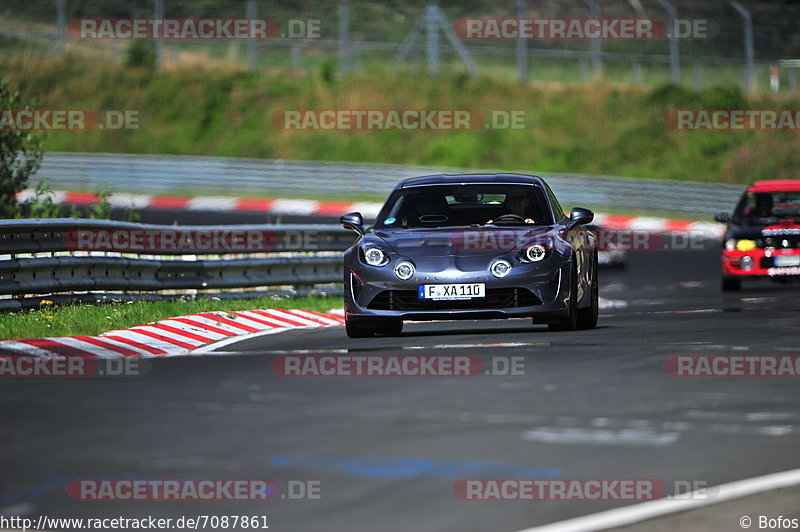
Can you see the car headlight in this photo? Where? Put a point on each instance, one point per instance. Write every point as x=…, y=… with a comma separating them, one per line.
x=500, y=268
x=404, y=270
x=374, y=256
x=745, y=245
x=534, y=253
x=741, y=245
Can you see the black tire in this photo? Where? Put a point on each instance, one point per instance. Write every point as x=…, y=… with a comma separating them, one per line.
x=355, y=328
x=390, y=327
x=587, y=317
x=570, y=322
x=730, y=283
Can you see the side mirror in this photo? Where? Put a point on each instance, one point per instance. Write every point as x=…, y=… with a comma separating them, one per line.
x=722, y=217
x=353, y=221
x=579, y=216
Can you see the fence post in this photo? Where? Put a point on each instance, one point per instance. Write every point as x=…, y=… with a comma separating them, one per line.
x=344, y=35
x=698, y=75
x=597, y=45
x=584, y=64
x=159, y=44
x=636, y=68
x=674, y=54
x=522, y=44
x=251, y=14
x=749, y=59
x=432, y=38
x=61, y=21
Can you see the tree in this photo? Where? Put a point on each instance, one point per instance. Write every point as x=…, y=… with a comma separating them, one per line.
x=20, y=155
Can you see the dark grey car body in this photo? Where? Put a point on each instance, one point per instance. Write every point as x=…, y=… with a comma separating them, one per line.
x=549, y=291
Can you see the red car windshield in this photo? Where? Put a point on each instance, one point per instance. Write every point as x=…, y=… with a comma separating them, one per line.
x=758, y=208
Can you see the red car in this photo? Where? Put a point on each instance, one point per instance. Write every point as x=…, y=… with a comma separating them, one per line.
x=762, y=239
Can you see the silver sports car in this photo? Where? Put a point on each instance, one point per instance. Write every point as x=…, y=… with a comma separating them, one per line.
x=470, y=247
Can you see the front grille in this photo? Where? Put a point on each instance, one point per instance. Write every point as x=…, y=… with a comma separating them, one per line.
x=779, y=242
x=495, y=298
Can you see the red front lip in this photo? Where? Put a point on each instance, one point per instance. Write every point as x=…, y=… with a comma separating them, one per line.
x=731, y=260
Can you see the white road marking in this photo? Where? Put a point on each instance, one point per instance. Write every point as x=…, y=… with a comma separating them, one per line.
x=211, y=348
x=635, y=437
x=21, y=509
x=636, y=513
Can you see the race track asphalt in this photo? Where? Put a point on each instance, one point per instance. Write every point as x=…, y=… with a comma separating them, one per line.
x=387, y=450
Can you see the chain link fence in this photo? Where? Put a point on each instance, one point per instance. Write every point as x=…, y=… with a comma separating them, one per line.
x=713, y=41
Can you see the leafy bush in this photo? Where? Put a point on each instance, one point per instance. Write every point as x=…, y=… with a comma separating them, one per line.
x=20, y=155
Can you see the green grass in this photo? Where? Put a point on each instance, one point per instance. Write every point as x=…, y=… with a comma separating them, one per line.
x=87, y=320
x=594, y=128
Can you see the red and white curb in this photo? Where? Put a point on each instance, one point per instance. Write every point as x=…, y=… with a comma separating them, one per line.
x=306, y=207
x=298, y=207
x=180, y=336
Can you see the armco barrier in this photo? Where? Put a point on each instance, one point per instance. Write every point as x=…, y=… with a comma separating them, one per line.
x=162, y=174
x=40, y=257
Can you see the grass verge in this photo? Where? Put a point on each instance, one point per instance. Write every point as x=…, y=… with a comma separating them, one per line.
x=90, y=320
x=593, y=128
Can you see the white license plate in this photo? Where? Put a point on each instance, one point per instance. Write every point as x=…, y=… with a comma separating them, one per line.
x=788, y=260
x=452, y=291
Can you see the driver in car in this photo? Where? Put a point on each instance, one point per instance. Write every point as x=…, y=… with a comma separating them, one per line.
x=517, y=205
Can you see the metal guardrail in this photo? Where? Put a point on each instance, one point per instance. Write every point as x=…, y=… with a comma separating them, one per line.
x=171, y=174
x=42, y=235
x=41, y=257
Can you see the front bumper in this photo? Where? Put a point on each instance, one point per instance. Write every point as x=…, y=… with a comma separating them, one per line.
x=529, y=291
x=761, y=263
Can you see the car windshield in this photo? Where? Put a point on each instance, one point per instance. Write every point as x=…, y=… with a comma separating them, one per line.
x=761, y=208
x=465, y=204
